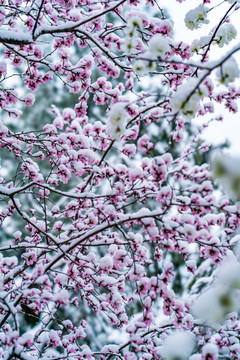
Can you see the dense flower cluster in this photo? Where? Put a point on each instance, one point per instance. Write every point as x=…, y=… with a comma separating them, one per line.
x=113, y=205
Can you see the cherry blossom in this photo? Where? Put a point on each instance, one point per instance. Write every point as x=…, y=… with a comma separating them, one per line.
x=119, y=234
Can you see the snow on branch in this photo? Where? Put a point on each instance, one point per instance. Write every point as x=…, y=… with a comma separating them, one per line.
x=119, y=222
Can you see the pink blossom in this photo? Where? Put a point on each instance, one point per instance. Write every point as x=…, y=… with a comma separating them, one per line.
x=29, y=99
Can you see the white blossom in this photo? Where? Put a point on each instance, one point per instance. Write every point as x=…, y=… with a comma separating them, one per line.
x=130, y=43
x=135, y=22
x=136, y=15
x=225, y=34
x=116, y=124
x=140, y=68
x=186, y=101
x=228, y=72
x=130, y=34
x=159, y=45
x=200, y=43
x=196, y=17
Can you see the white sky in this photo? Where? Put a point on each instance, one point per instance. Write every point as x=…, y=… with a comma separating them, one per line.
x=230, y=128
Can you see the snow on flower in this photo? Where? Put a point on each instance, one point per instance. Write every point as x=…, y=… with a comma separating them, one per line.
x=17, y=235
x=3, y=68
x=144, y=144
x=159, y=46
x=135, y=21
x=187, y=97
x=129, y=150
x=3, y=129
x=130, y=42
x=106, y=263
x=30, y=257
x=228, y=72
x=26, y=340
x=189, y=232
x=74, y=14
x=210, y=352
x=62, y=297
x=111, y=348
x=61, y=279
x=191, y=266
x=68, y=114
x=140, y=68
x=117, y=118
x=29, y=99
x=225, y=34
x=196, y=17
x=54, y=338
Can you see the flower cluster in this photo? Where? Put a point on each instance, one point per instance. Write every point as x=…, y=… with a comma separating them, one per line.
x=196, y=17
x=114, y=241
x=228, y=72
